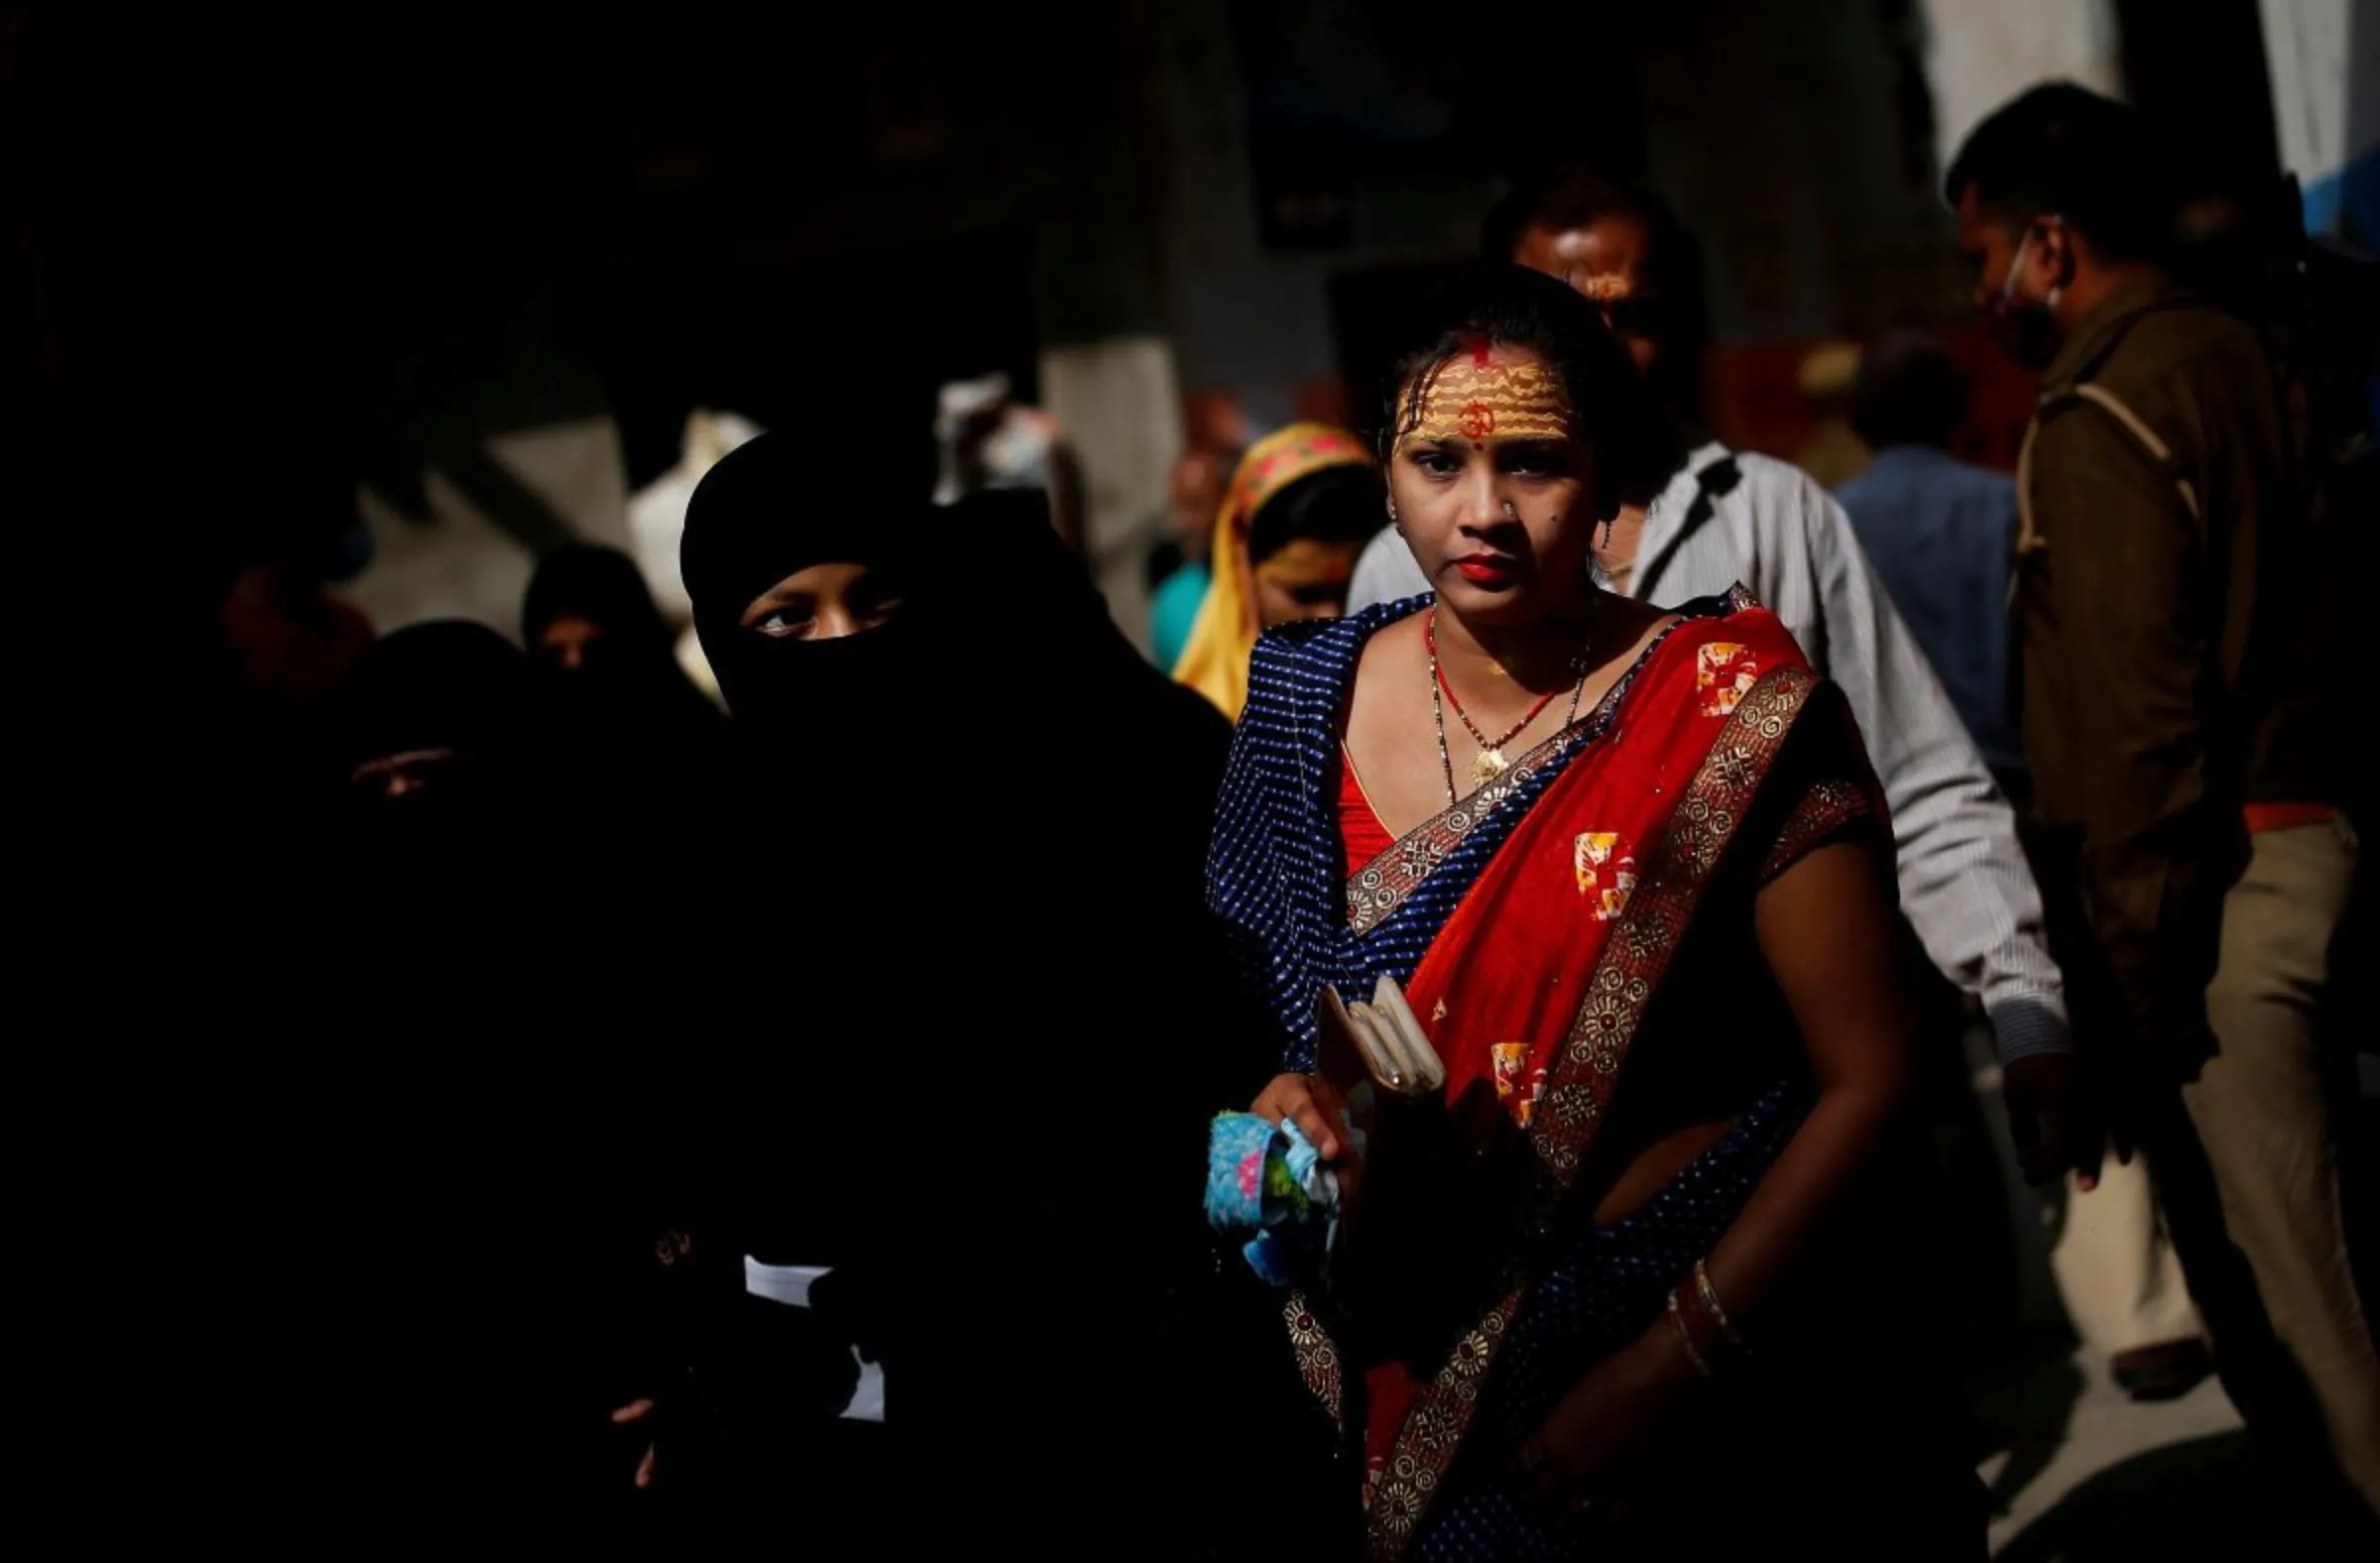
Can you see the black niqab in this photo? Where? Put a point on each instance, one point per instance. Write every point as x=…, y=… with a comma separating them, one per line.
x=450, y=688
x=627, y=745
x=758, y=517
x=1000, y=632
x=473, y=1157
x=600, y=585
x=970, y=907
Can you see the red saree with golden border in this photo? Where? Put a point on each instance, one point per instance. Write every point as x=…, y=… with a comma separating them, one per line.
x=1535, y=985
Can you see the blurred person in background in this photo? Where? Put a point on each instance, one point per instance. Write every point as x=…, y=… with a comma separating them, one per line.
x=1833, y=453
x=1939, y=533
x=1725, y=517
x=588, y=611
x=1180, y=565
x=2183, y=645
x=932, y=934
x=1941, y=536
x=296, y=639
x=630, y=743
x=1301, y=506
x=431, y=725
x=291, y=640
x=475, y=1267
x=2314, y=300
x=991, y=440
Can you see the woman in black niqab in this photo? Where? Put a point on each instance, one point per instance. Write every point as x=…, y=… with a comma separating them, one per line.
x=432, y=762
x=973, y=940
x=628, y=748
x=469, y=1185
x=602, y=648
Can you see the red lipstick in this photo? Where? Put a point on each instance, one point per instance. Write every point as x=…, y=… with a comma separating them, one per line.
x=1488, y=569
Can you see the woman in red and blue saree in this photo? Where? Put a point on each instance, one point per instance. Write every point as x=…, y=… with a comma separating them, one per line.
x=1631, y=868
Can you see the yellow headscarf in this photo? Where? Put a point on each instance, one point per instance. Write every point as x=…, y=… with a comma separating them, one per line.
x=1214, y=660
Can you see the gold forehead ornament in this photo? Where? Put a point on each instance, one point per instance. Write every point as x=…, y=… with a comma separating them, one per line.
x=1477, y=398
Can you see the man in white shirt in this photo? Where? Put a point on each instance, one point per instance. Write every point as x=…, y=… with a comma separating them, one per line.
x=1727, y=516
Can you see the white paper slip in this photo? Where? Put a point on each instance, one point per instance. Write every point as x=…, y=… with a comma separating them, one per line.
x=791, y=1284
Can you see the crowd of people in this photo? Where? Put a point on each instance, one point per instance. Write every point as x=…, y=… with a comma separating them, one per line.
x=871, y=1024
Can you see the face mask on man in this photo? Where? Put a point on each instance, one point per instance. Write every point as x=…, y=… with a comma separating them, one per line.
x=2026, y=329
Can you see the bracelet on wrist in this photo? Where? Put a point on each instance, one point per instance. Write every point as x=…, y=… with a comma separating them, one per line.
x=1702, y=1324
x=1707, y=1295
x=1685, y=1334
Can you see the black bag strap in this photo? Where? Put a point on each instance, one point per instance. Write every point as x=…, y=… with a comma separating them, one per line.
x=1714, y=480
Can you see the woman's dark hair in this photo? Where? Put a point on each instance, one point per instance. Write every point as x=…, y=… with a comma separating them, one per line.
x=1613, y=412
x=1334, y=505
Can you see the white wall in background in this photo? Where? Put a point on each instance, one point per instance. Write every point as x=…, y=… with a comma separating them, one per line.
x=2324, y=56
x=1983, y=52
x=462, y=564
x=1120, y=403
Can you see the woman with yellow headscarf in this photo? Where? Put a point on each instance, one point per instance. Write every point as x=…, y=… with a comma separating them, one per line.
x=1302, y=505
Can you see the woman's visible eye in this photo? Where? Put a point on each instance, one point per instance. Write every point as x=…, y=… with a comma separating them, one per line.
x=1436, y=463
x=786, y=624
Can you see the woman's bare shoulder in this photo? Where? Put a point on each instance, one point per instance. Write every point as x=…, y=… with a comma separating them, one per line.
x=1389, y=662
x=1397, y=642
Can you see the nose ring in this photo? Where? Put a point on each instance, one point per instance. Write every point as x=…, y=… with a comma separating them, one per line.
x=1512, y=511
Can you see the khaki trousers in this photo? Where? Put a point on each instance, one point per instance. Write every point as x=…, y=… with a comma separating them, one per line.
x=2269, y=1114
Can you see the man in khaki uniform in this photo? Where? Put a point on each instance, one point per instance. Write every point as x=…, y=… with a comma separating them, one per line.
x=2182, y=733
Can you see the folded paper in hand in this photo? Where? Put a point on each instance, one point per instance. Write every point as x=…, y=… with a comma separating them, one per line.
x=1383, y=1037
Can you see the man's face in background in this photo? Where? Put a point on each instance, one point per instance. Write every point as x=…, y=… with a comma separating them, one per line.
x=1605, y=260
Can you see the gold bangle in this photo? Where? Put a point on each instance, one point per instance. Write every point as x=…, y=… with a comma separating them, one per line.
x=1710, y=1296
x=1694, y=1355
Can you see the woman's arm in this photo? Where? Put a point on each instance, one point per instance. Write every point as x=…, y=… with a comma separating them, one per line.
x=1826, y=928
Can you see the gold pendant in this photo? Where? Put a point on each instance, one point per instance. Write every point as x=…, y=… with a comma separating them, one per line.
x=1491, y=765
